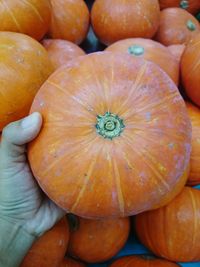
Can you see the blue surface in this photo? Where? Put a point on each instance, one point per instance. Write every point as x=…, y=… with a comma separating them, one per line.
x=133, y=246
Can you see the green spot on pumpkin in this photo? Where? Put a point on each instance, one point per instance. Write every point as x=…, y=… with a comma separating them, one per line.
x=191, y=26
x=184, y=4
x=136, y=50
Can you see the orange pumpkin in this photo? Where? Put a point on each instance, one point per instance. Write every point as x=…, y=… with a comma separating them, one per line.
x=194, y=175
x=97, y=240
x=190, y=70
x=31, y=17
x=177, y=51
x=69, y=262
x=61, y=51
x=69, y=20
x=142, y=261
x=49, y=250
x=119, y=19
x=23, y=69
x=177, y=26
x=149, y=50
x=165, y=231
x=116, y=136
x=192, y=6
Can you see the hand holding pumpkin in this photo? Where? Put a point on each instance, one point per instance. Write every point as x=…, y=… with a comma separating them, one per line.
x=21, y=201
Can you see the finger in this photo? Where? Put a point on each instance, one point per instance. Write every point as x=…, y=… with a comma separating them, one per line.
x=17, y=134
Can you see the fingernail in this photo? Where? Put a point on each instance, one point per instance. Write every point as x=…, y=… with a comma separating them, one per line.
x=29, y=121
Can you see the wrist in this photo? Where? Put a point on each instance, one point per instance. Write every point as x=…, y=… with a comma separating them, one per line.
x=15, y=242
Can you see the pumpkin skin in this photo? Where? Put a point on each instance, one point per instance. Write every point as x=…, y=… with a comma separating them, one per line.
x=165, y=230
x=24, y=67
x=98, y=240
x=70, y=20
x=142, y=261
x=194, y=175
x=31, y=17
x=118, y=19
x=149, y=50
x=177, y=51
x=177, y=26
x=61, y=51
x=111, y=179
x=49, y=250
x=68, y=262
x=190, y=70
x=192, y=6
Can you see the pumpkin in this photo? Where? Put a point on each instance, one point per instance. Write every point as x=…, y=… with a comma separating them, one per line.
x=31, y=17
x=149, y=50
x=192, y=6
x=23, y=69
x=142, y=261
x=61, y=51
x=49, y=250
x=97, y=240
x=190, y=70
x=165, y=231
x=119, y=19
x=194, y=175
x=177, y=26
x=116, y=136
x=69, y=262
x=69, y=20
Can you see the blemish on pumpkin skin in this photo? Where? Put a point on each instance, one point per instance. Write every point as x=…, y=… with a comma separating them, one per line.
x=148, y=116
x=198, y=140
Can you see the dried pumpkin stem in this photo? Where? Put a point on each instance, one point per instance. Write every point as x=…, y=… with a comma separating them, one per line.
x=191, y=26
x=136, y=50
x=184, y=4
x=109, y=125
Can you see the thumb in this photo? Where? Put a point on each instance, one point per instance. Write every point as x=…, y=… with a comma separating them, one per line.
x=16, y=134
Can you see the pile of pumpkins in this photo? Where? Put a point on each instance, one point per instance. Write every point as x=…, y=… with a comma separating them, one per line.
x=121, y=127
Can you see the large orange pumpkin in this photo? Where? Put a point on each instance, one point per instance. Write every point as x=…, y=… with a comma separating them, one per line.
x=177, y=26
x=31, y=17
x=194, y=175
x=173, y=231
x=142, y=261
x=69, y=262
x=177, y=51
x=97, y=240
x=61, y=51
x=49, y=250
x=192, y=6
x=119, y=19
x=149, y=50
x=116, y=136
x=23, y=69
x=190, y=70
x=70, y=20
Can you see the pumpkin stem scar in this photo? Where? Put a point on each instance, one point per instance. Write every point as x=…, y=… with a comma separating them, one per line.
x=184, y=4
x=109, y=125
x=136, y=50
x=190, y=25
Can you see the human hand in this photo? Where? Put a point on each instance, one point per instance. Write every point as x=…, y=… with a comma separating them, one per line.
x=21, y=200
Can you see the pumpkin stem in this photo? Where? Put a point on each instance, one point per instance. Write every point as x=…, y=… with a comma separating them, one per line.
x=190, y=25
x=184, y=4
x=136, y=50
x=73, y=222
x=109, y=125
